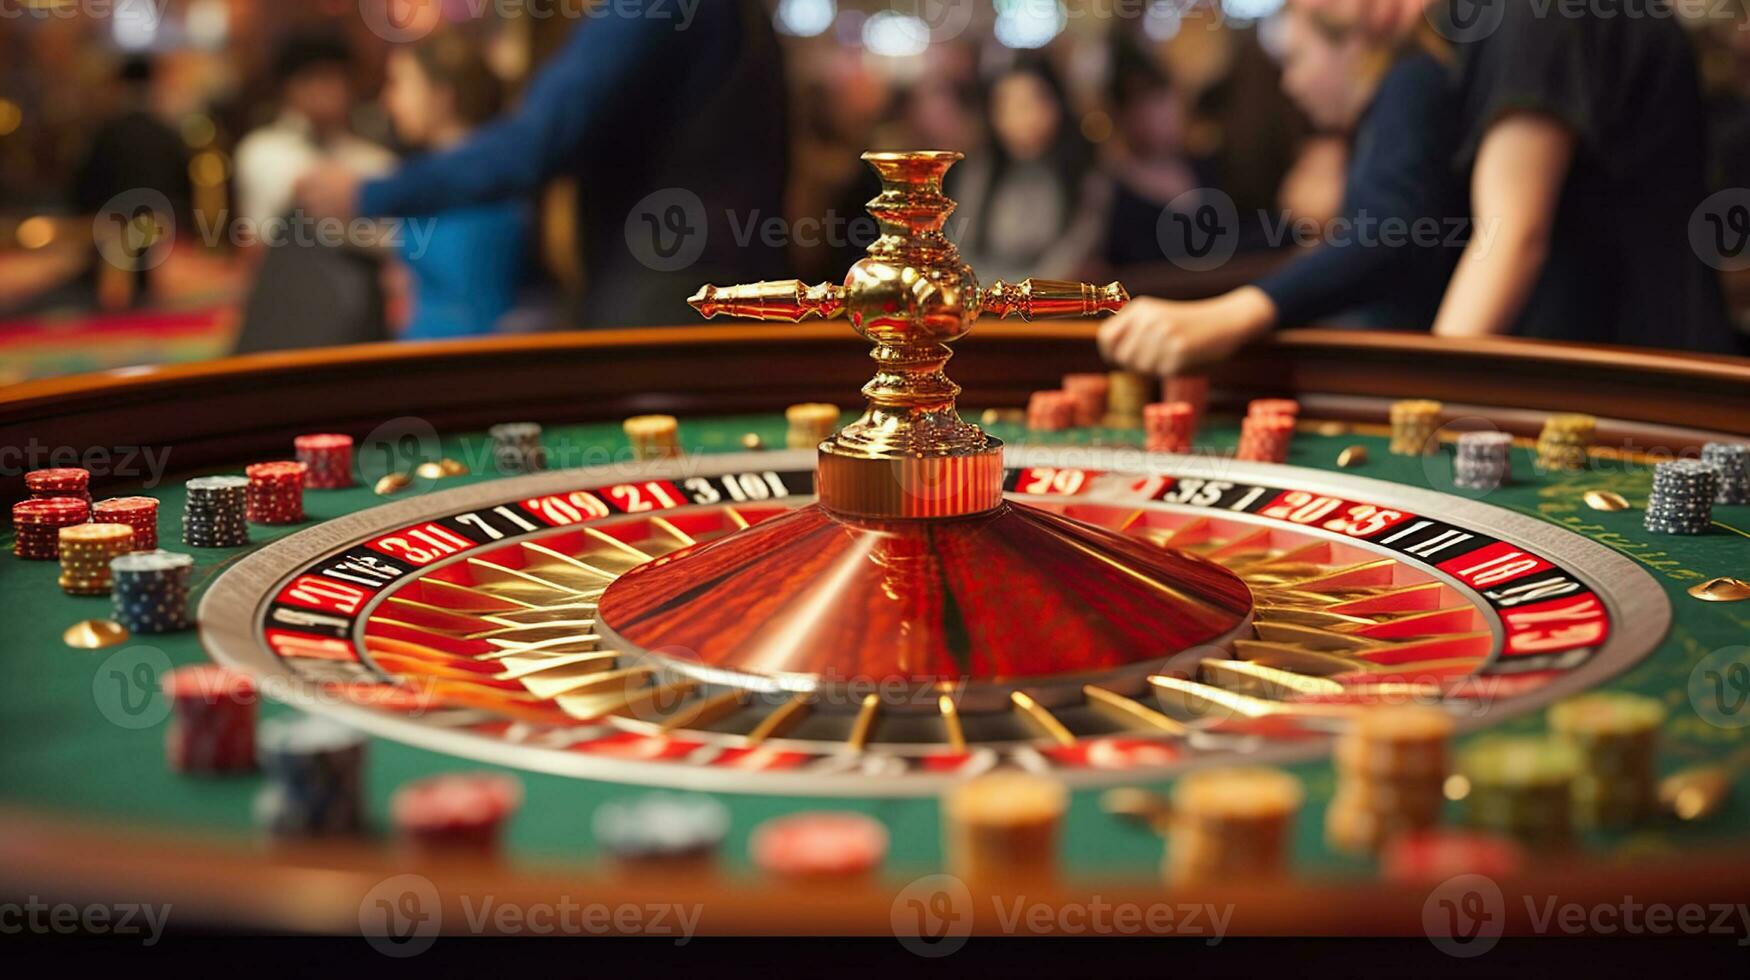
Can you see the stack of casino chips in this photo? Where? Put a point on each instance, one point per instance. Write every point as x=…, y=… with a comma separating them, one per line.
x=327, y=459
x=1126, y=394
x=1274, y=406
x=1051, y=411
x=86, y=551
x=1617, y=738
x=150, y=591
x=139, y=513
x=61, y=482
x=1171, y=426
x=314, y=771
x=455, y=813
x=653, y=436
x=37, y=524
x=1391, y=772
x=810, y=424
x=661, y=828
x=1089, y=392
x=1193, y=390
x=212, y=722
x=1483, y=460
x=1683, y=495
x=1231, y=825
x=276, y=493
x=1521, y=786
x=1265, y=438
x=1002, y=829
x=1565, y=442
x=1733, y=459
x=516, y=447
x=216, y=514
x=1414, y=425
x=819, y=844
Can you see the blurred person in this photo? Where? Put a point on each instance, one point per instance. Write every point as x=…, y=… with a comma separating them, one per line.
x=677, y=138
x=1148, y=164
x=313, y=76
x=134, y=149
x=1032, y=203
x=465, y=273
x=1569, y=144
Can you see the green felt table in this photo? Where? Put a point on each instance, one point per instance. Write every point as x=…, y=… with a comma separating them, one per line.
x=82, y=735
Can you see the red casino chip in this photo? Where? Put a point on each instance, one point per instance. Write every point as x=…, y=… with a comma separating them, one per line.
x=1274, y=406
x=139, y=513
x=1265, y=438
x=276, y=492
x=327, y=457
x=63, y=482
x=456, y=811
x=820, y=844
x=1089, y=393
x=1051, y=411
x=1436, y=855
x=1171, y=426
x=37, y=525
x=212, y=728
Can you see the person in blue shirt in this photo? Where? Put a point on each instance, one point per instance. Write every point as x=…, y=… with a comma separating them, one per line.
x=673, y=125
x=466, y=265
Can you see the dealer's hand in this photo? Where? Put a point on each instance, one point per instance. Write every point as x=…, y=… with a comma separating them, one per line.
x=1165, y=337
x=329, y=191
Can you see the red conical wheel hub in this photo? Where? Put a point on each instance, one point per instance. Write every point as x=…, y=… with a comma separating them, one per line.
x=1012, y=598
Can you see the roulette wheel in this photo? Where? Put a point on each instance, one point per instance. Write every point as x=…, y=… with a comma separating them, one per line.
x=916, y=601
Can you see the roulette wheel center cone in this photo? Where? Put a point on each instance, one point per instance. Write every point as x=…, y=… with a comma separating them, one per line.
x=912, y=571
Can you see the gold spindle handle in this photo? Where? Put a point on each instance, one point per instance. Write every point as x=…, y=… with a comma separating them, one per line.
x=1042, y=299
x=791, y=300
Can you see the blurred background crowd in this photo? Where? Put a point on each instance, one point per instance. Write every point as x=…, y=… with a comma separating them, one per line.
x=148, y=148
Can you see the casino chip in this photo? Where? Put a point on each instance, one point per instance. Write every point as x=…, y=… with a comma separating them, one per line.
x=314, y=771
x=516, y=447
x=86, y=551
x=1432, y=856
x=653, y=436
x=1414, y=427
x=1126, y=394
x=212, y=725
x=1231, y=825
x=1051, y=411
x=1565, y=442
x=1522, y=786
x=1683, y=495
x=1391, y=769
x=661, y=827
x=1191, y=389
x=216, y=514
x=455, y=812
x=1482, y=460
x=37, y=525
x=1170, y=426
x=1003, y=827
x=1616, y=736
x=1265, y=438
x=811, y=424
x=276, y=493
x=150, y=591
x=327, y=459
x=1274, y=406
x=819, y=844
x=1733, y=461
x=139, y=513
x=61, y=482
x=1089, y=392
